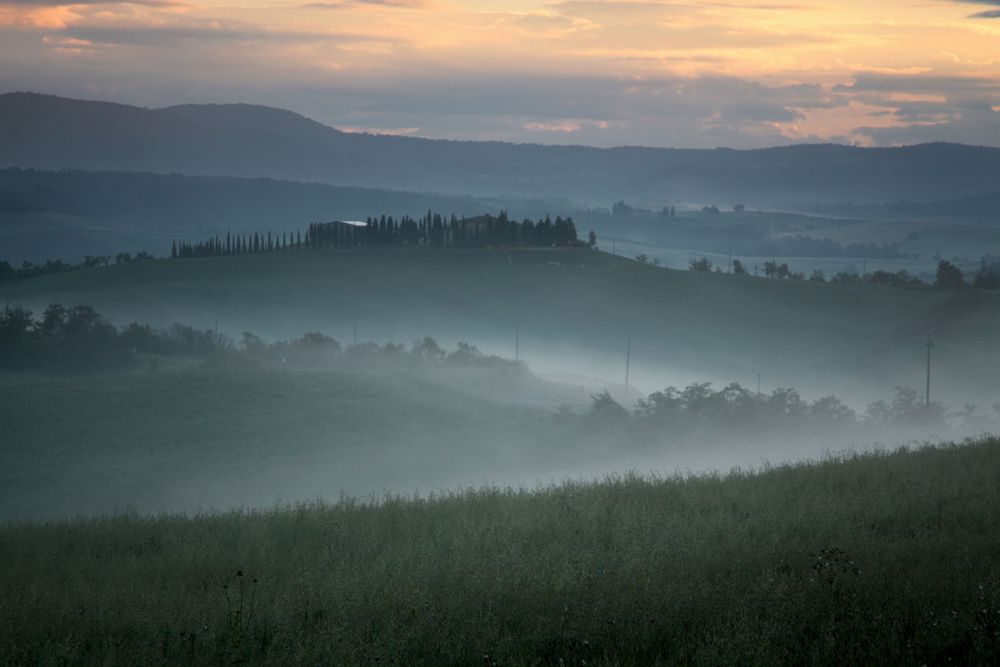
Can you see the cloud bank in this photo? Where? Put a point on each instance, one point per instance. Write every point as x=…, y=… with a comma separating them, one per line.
x=686, y=74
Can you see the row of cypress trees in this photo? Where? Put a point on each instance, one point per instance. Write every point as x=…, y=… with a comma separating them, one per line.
x=236, y=244
x=432, y=230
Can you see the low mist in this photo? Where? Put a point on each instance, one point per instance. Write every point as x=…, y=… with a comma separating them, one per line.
x=105, y=419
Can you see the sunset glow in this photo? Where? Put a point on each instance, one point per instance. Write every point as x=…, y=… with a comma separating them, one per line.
x=740, y=73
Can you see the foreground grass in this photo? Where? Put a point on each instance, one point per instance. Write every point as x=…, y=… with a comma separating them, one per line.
x=880, y=558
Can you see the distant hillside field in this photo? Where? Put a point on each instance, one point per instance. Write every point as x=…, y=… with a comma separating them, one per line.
x=49, y=132
x=575, y=310
x=872, y=559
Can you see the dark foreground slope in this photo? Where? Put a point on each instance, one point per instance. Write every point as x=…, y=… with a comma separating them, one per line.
x=576, y=309
x=875, y=559
x=44, y=131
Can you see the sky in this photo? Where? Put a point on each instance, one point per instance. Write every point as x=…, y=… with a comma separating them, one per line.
x=734, y=73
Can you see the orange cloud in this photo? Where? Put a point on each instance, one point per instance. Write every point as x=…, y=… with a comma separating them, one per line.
x=32, y=17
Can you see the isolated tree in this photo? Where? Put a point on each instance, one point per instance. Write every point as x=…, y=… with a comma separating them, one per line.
x=591, y=239
x=15, y=322
x=53, y=320
x=703, y=264
x=621, y=208
x=738, y=268
x=949, y=276
x=606, y=407
x=252, y=344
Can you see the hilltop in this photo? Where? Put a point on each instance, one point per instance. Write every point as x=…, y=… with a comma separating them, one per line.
x=44, y=131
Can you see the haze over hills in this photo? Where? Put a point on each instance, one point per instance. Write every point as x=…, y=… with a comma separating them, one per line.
x=69, y=214
x=44, y=131
x=575, y=307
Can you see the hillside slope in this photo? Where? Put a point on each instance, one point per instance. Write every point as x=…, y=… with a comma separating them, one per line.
x=876, y=559
x=576, y=309
x=189, y=436
x=240, y=140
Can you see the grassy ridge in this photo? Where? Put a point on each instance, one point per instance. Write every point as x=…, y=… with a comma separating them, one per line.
x=880, y=558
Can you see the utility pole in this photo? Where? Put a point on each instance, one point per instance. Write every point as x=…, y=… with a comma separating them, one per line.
x=216, y=331
x=355, y=332
x=517, y=341
x=927, y=395
x=613, y=242
x=730, y=258
x=628, y=364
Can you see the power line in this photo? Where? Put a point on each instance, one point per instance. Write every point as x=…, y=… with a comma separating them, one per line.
x=628, y=364
x=930, y=344
x=517, y=341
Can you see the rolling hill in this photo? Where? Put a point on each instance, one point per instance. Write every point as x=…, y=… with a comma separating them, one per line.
x=49, y=132
x=69, y=214
x=576, y=309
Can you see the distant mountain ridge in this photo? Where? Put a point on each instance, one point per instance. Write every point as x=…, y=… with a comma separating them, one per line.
x=50, y=132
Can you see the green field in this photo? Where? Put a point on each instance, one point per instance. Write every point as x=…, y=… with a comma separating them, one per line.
x=872, y=559
x=190, y=436
x=576, y=309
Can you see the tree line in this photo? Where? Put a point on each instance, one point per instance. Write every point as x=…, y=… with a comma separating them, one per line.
x=947, y=276
x=430, y=230
x=79, y=339
x=700, y=407
x=30, y=269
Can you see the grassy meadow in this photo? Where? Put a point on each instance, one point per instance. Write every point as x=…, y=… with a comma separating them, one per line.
x=880, y=558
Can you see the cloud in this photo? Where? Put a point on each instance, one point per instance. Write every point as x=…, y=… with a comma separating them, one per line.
x=348, y=4
x=84, y=3
x=987, y=14
x=746, y=73
x=944, y=85
x=929, y=108
x=214, y=32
